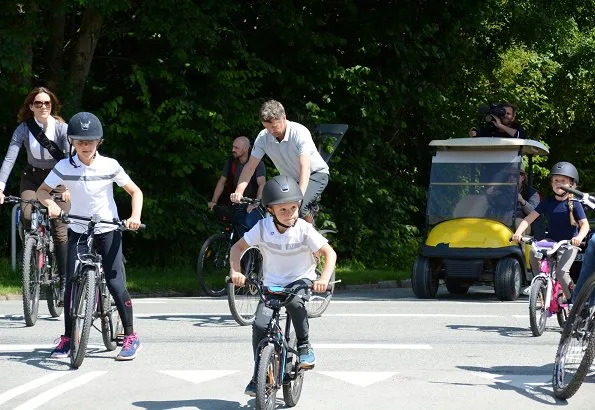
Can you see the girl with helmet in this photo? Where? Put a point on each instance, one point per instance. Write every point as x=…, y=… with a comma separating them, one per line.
x=43, y=134
x=566, y=219
x=287, y=243
x=90, y=177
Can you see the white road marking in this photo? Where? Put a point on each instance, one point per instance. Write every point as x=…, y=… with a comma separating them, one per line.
x=362, y=379
x=33, y=384
x=198, y=376
x=62, y=388
x=391, y=346
x=30, y=348
x=430, y=315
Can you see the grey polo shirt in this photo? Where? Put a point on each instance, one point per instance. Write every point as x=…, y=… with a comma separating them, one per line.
x=285, y=154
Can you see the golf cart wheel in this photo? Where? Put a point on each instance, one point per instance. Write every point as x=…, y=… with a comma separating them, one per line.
x=424, y=278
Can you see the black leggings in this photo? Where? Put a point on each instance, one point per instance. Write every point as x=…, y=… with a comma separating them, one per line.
x=109, y=246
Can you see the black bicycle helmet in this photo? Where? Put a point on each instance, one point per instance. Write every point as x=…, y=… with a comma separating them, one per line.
x=85, y=126
x=281, y=190
x=565, y=169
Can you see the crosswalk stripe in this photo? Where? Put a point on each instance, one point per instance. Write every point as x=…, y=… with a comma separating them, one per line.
x=429, y=315
x=58, y=390
x=371, y=346
x=363, y=379
x=33, y=384
x=198, y=376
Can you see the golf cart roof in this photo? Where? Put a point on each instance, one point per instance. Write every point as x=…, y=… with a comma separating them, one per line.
x=528, y=147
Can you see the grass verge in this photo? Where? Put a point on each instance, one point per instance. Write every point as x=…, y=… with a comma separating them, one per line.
x=183, y=281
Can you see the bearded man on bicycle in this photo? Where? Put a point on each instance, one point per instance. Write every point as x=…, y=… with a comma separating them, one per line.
x=291, y=148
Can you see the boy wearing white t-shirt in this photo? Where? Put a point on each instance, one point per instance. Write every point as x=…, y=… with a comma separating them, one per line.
x=287, y=244
x=90, y=178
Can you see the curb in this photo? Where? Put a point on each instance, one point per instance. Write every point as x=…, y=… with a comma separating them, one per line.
x=385, y=284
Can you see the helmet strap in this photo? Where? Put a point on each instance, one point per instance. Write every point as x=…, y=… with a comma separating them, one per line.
x=281, y=224
x=70, y=155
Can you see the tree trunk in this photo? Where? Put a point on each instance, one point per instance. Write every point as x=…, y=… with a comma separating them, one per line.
x=82, y=56
x=55, y=45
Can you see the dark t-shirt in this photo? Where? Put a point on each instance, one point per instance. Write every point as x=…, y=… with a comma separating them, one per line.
x=492, y=131
x=557, y=214
x=252, y=187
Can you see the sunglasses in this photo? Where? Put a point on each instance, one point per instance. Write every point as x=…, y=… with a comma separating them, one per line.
x=39, y=104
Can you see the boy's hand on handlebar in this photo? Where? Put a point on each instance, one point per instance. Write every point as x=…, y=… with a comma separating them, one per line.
x=238, y=278
x=235, y=197
x=575, y=241
x=516, y=237
x=320, y=286
x=54, y=211
x=132, y=223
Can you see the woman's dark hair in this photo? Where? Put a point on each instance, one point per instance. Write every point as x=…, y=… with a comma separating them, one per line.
x=25, y=112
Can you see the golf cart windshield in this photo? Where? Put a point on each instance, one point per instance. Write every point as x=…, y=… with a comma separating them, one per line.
x=477, y=184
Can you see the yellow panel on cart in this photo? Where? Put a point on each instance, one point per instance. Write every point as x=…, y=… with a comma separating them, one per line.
x=470, y=233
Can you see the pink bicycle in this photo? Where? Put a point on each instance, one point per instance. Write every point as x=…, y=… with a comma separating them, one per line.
x=546, y=298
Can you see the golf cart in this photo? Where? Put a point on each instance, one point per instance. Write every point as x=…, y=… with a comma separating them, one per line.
x=470, y=217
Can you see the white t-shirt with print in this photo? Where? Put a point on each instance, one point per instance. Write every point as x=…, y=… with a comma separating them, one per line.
x=91, y=188
x=287, y=256
x=285, y=154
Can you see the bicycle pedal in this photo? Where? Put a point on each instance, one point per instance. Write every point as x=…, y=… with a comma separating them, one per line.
x=120, y=339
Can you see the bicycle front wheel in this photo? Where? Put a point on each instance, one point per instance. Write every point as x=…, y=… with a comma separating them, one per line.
x=213, y=265
x=243, y=300
x=537, y=308
x=82, y=309
x=294, y=377
x=319, y=302
x=32, y=264
x=267, y=378
x=111, y=324
x=577, y=344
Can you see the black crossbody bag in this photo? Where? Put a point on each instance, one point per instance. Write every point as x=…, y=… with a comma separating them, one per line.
x=44, y=141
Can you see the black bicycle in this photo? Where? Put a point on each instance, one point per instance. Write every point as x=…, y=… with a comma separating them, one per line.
x=39, y=263
x=213, y=260
x=277, y=361
x=576, y=349
x=90, y=296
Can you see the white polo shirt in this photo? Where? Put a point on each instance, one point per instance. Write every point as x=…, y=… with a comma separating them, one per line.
x=285, y=154
x=287, y=256
x=91, y=188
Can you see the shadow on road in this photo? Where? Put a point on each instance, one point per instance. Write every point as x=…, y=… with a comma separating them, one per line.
x=38, y=358
x=206, y=320
x=203, y=404
x=502, y=330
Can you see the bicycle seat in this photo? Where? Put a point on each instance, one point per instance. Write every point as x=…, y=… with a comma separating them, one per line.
x=544, y=243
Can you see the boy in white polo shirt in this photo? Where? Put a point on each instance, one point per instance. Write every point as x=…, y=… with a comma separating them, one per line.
x=90, y=178
x=286, y=243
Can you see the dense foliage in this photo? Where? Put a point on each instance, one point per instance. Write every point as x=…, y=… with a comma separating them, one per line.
x=176, y=80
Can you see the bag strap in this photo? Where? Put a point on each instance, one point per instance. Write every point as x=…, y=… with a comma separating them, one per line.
x=230, y=178
x=44, y=141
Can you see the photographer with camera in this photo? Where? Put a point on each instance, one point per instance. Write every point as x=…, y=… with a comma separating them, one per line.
x=500, y=122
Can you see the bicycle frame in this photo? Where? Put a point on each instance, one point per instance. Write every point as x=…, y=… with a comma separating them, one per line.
x=552, y=285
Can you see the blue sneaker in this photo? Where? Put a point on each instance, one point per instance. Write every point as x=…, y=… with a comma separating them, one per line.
x=131, y=347
x=251, y=389
x=63, y=349
x=307, y=358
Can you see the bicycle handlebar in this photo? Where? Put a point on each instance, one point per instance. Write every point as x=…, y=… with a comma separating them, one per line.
x=551, y=250
x=12, y=199
x=96, y=219
x=583, y=196
x=250, y=201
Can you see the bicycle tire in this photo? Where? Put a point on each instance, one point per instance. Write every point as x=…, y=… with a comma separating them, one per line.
x=243, y=300
x=111, y=324
x=537, y=309
x=83, y=307
x=292, y=387
x=53, y=289
x=318, y=303
x=267, y=378
x=212, y=266
x=562, y=315
x=570, y=370
x=30, y=281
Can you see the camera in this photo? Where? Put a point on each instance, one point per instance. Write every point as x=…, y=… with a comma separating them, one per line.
x=487, y=111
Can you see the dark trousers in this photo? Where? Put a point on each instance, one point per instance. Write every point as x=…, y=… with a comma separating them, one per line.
x=109, y=246
x=318, y=181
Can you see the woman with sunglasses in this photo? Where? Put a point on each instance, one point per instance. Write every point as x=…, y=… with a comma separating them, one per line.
x=43, y=134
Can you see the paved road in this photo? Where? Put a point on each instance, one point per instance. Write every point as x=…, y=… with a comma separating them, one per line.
x=376, y=349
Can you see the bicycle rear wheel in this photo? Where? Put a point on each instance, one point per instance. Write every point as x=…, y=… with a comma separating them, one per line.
x=267, y=378
x=52, y=291
x=243, y=300
x=577, y=344
x=213, y=265
x=30, y=280
x=293, y=377
x=537, y=308
x=82, y=309
x=319, y=302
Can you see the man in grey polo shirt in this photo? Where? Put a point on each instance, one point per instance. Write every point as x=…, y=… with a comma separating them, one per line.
x=291, y=148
